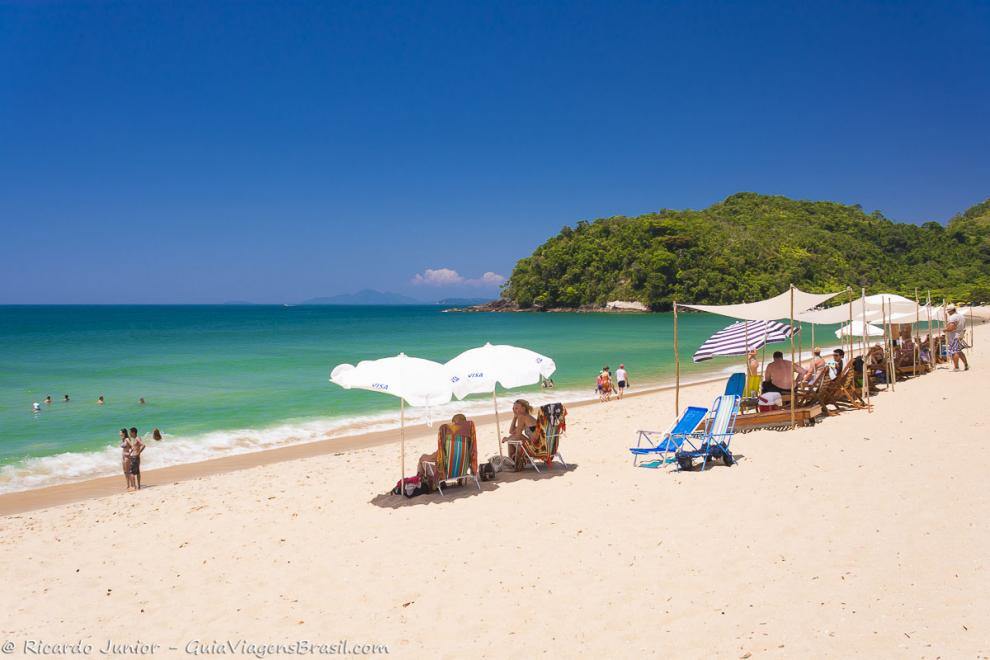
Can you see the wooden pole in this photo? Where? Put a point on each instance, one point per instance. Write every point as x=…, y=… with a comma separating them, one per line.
x=792, y=356
x=866, y=355
x=941, y=332
x=891, y=369
x=931, y=339
x=972, y=326
x=917, y=339
x=851, y=337
x=677, y=368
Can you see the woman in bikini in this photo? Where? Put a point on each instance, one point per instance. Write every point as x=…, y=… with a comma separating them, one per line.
x=521, y=429
x=125, y=459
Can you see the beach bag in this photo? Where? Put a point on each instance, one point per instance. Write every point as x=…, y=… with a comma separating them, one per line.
x=486, y=471
x=413, y=487
x=768, y=401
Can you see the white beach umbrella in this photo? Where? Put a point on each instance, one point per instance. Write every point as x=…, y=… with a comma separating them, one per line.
x=859, y=329
x=415, y=381
x=479, y=370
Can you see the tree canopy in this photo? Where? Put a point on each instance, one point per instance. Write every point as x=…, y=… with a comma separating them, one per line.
x=752, y=246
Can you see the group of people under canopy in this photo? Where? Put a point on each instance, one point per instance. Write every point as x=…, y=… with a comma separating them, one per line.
x=757, y=327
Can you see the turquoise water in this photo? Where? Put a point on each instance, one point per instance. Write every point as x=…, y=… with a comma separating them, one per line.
x=222, y=379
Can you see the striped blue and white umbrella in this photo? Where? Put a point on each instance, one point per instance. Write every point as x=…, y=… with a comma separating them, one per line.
x=732, y=340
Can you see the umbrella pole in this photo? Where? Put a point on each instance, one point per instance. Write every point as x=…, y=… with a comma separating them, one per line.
x=677, y=368
x=402, y=444
x=931, y=340
x=792, y=356
x=498, y=427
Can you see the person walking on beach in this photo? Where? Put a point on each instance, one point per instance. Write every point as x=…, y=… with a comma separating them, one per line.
x=605, y=385
x=622, y=379
x=954, y=330
x=134, y=463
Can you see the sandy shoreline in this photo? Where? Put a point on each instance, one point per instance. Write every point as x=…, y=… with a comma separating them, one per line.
x=48, y=496
x=861, y=536
x=331, y=442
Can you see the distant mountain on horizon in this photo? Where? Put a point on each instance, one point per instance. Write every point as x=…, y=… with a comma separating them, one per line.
x=466, y=302
x=364, y=297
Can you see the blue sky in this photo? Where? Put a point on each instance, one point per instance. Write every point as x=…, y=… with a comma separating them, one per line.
x=207, y=151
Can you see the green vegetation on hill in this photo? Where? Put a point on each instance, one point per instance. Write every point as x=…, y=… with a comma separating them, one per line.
x=752, y=246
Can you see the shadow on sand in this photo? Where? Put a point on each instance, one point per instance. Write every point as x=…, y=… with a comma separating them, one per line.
x=469, y=489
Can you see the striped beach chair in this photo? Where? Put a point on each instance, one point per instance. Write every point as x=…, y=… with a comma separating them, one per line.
x=456, y=455
x=714, y=441
x=545, y=443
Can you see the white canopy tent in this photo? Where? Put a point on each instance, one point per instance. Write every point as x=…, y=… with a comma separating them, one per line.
x=859, y=329
x=783, y=306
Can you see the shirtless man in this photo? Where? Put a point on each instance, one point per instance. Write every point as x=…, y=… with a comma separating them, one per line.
x=779, y=374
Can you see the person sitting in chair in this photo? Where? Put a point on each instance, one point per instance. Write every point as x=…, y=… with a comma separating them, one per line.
x=779, y=374
x=522, y=427
x=425, y=475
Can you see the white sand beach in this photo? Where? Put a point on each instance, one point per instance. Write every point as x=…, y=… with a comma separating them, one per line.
x=864, y=535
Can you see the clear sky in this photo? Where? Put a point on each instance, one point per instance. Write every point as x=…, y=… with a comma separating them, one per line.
x=209, y=151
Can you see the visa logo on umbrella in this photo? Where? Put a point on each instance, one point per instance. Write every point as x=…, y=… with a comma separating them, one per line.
x=379, y=386
x=477, y=374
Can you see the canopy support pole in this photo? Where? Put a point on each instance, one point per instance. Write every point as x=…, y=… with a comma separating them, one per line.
x=866, y=356
x=852, y=338
x=792, y=356
x=891, y=368
x=677, y=368
x=972, y=326
x=917, y=339
x=931, y=331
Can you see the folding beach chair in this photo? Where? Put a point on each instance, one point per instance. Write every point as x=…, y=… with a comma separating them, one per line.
x=545, y=443
x=714, y=441
x=666, y=443
x=736, y=384
x=456, y=455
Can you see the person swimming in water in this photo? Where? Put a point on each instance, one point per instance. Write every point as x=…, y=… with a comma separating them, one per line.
x=99, y=400
x=48, y=400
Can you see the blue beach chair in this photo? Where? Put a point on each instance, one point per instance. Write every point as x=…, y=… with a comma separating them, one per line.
x=714, y=441
x=669, y=441
x=736, y=385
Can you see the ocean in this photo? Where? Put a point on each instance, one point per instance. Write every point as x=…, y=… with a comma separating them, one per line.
x=230, y=379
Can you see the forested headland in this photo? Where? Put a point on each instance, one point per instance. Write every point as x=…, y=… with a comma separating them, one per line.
x=749, y=247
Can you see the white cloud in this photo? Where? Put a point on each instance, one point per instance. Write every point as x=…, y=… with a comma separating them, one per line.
x=450, y=277
x=491, y=279
x=438, y=277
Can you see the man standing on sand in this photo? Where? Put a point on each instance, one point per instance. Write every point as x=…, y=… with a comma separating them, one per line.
x=954, y=329
x=622, y=379
x=779, y=374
